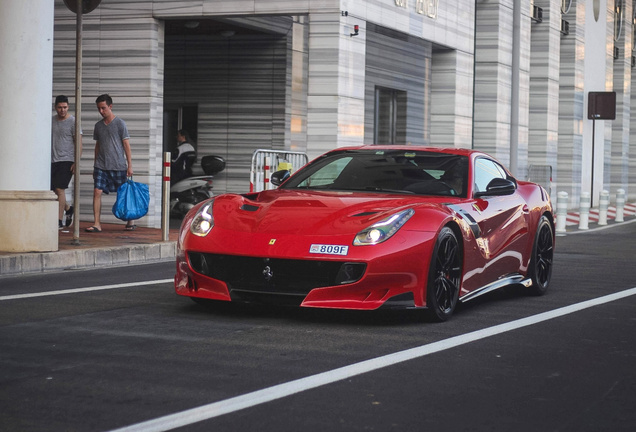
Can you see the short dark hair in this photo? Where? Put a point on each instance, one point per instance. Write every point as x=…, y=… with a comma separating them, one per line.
x=104, y=98
x=61, y=99
x=184, y=133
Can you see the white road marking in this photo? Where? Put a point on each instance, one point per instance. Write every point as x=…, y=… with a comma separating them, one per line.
x=258, y=397
x=82, y=290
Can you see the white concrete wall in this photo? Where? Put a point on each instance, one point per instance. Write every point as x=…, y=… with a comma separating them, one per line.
x=28, y=209
x=26, y=58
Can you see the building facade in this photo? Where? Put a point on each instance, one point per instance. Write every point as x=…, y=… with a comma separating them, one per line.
x=509, y=77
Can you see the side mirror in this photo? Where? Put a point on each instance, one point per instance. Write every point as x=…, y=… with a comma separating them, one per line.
x=279, y=177
x=498, y=187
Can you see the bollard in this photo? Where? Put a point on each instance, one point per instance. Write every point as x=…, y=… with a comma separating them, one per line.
x=620, y=205
x=584, y=211
x=562, y=211
x=603, y=206
x=165, y=198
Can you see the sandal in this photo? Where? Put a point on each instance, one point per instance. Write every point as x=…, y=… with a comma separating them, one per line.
x=130, y=227
x=93, y=229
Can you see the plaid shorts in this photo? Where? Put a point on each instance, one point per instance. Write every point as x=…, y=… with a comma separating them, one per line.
x=108, y=181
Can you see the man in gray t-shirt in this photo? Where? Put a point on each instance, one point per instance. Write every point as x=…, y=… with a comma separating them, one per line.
x=63, y=157
x=113, y=160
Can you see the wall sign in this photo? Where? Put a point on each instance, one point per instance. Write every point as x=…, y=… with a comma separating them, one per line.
x=601, y=106
x=422, y=7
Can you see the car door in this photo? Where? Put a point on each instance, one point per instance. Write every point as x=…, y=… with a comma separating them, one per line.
x=502, y=220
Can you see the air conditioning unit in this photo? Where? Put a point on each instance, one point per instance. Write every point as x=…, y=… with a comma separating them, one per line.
x=537, y=14
x=565, y=27
x=617, y=53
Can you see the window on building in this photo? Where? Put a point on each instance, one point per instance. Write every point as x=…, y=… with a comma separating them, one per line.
x=390, y=116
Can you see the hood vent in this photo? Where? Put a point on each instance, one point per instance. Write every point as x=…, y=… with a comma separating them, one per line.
x=365, y=214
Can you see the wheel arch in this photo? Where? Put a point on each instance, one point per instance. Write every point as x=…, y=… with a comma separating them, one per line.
x=454, y=226
x=548, y=214
x=461, y=241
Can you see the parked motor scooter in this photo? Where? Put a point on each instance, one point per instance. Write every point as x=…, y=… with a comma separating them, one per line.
x=190, y=191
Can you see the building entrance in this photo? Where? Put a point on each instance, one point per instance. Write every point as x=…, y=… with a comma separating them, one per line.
x=226, y=82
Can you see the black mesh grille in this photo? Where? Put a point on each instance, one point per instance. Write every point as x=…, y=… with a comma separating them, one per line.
x=250, y=276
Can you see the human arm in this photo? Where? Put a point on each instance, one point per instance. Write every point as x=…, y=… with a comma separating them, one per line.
x=96, y=149
x=126, y=143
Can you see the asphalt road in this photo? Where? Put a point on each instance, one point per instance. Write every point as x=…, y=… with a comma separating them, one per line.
x=132, y=354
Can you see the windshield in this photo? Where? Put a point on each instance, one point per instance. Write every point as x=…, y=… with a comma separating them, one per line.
x=392, y=171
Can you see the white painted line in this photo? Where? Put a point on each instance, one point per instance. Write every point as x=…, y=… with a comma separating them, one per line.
x=216, y=409
x=82, y=290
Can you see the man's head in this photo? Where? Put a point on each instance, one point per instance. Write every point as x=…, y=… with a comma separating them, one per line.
x=104, y=105
x=61, y=106
x=182, y=136
x=104, y=98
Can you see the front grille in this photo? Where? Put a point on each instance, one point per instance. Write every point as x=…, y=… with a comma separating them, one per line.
x=292, y=279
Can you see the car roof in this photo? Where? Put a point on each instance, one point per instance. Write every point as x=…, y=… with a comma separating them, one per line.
x=449, y=150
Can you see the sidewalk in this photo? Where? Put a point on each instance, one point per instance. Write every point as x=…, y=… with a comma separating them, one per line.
x=113, y=246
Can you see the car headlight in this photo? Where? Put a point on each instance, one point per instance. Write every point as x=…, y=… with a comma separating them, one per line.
x=383, y=230
x=203, y=221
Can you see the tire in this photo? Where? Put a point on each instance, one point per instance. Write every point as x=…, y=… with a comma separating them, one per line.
x=540, y=269
x=444, y=277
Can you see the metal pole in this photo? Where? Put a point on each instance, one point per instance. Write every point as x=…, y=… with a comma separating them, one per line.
x=514, y=83
x=165, y=198
x=592, y=175
x=78, y=123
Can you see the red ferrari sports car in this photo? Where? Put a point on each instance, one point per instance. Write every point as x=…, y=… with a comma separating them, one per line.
x=371, y=227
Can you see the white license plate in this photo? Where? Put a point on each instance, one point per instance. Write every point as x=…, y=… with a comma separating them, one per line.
x=329, y=249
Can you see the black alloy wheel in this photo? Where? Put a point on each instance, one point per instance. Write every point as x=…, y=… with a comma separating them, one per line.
x=444, y=276
x=540, y=270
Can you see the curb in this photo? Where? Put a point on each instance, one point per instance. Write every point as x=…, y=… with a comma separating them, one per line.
x=27, y=263
x=593, y=227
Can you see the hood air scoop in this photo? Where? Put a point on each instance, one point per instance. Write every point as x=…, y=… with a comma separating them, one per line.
x=249, y=207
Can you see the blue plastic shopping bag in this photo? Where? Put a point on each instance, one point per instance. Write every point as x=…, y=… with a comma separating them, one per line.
x=132, y=201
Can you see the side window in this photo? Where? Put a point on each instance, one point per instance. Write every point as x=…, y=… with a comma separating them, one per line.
x=485, y=171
